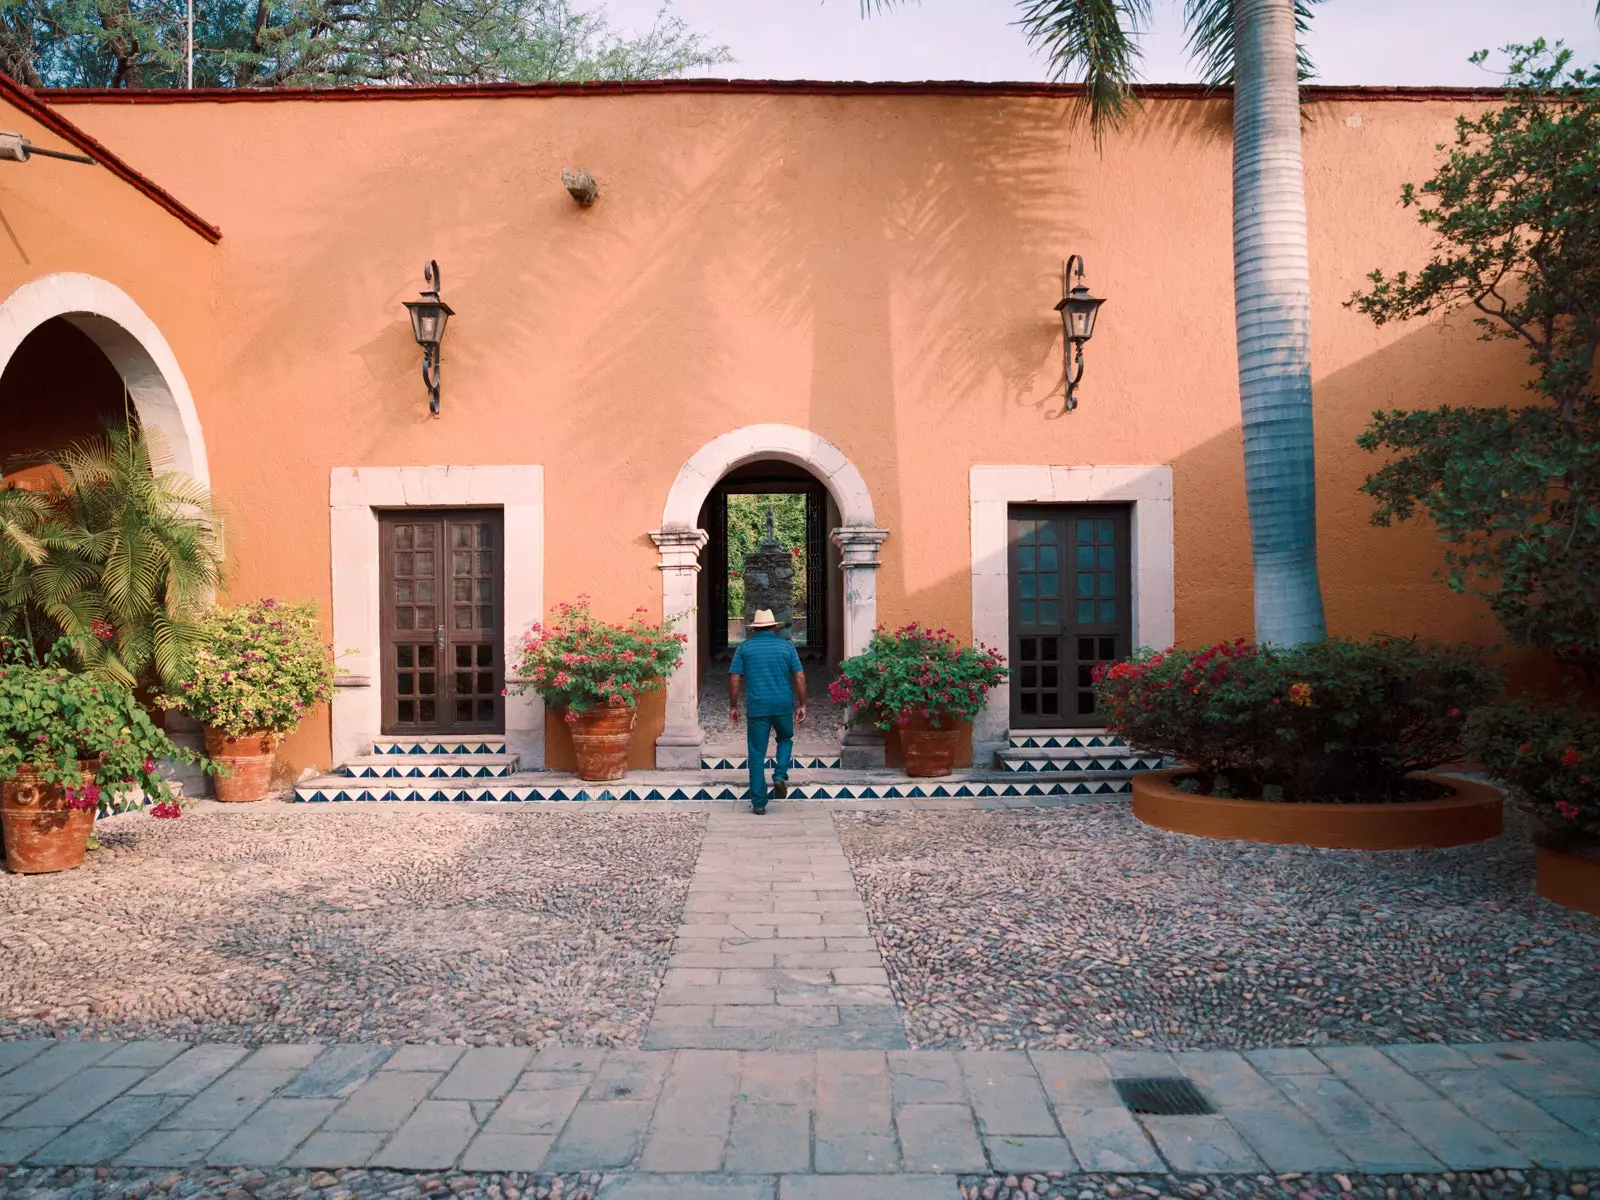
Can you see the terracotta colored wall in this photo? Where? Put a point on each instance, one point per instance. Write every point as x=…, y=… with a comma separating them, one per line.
x=879, y=269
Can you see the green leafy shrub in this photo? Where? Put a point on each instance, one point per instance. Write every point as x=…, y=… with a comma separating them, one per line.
x=1550, y=754
x=920, y=670
x=1336, y=721
x=261, y=667
x=577, y=661
x=53, y=718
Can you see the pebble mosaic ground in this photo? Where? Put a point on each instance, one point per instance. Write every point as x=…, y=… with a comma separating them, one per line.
x=282, y=923
x=114, y=1183
x=1081, y=928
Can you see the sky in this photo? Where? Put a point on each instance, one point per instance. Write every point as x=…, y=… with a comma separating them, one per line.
x=1409, y=42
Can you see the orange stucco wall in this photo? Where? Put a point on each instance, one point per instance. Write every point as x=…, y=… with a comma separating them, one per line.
x=879, y=269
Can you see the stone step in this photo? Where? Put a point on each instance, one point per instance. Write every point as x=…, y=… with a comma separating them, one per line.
x=1076, y=759
x=429, y=766
x=1063, y=739
x=736, y=758
x=487, y=744
x=705, y=786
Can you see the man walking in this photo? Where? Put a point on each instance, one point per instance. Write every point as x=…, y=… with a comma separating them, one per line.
x=766, y=673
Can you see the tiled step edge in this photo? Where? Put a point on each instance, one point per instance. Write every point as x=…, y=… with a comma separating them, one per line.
x=739, y=762
x=1064, y=739
x=408, y=746
x=335, y=789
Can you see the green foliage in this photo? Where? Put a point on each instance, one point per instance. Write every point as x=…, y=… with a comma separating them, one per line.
x=1513, y=491
x=261, y=666
x=916, y=669
x=577, y=661
x=321, y=43
x=1335, y=721
x=53, y=718
x=120, y=559
x=747, y=529
x=1550, y=753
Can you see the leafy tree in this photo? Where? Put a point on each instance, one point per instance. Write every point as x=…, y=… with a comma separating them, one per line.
x=120, y=557
x=320, y=43
x=1251, y=45
x=1514, y=490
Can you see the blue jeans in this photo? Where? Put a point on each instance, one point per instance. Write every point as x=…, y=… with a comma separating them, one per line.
x=759, y=729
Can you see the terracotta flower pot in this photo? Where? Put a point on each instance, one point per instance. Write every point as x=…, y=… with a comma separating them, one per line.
x=43, y=832
x=1472, y=814
x=929, y=751
x=600, y=739
x=1568, y=879
x=248, y=759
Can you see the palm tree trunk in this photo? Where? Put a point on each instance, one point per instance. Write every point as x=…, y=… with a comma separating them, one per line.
x=1272, y=309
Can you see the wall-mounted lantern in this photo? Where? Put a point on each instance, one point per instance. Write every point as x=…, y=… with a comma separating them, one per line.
x=429, y=315
x=1078, y=310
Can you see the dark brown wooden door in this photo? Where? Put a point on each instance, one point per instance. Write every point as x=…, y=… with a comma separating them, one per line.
x=443, y=665
x=1071, y=608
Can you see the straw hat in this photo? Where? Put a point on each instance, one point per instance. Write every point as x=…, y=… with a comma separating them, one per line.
x=764, y=620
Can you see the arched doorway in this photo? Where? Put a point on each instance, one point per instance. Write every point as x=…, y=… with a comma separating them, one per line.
x=77, y=334
x=682, y=538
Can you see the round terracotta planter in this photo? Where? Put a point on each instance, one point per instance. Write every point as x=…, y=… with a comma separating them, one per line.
x=1570, y=880
x=248, y=759
x=600, y=739
x=42, y=831
x=1471, y=815
x=929, y=751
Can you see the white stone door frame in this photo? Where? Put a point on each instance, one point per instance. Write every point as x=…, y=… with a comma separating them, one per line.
x=994, y=489
x=355, y=494
x=680, y=540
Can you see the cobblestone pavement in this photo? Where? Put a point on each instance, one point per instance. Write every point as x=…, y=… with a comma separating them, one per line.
x=896, y=1115
x=774, y=951
x=1080, y=928
x=824, y=724
x=132, y=1183
x=352, y=923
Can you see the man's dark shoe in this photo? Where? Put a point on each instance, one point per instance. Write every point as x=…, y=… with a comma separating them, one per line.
x=780, y=789
x=760, y=810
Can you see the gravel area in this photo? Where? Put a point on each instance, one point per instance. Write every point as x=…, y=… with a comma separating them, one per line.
x=1078, y=927
x=396, y=923
x=1485, y=1185
x=135, y=1184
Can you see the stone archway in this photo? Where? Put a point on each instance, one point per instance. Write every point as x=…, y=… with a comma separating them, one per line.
x=132, y=343
x=680, y=540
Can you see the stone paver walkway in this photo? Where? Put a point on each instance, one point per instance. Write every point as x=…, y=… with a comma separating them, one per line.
x=836, y=1123
x=774, y=952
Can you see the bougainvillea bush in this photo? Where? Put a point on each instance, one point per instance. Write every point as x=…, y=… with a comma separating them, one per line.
x=53, y=718
x=916, y=670
x=577, y=661
x=1550, y=754
x=262, y=667
x=1337, y=721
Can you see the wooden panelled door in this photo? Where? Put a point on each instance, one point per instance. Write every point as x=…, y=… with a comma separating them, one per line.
x=1071, y=608
x=442, y=578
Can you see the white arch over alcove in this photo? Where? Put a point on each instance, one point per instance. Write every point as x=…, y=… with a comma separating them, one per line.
x=680, y=539
x=132, y=343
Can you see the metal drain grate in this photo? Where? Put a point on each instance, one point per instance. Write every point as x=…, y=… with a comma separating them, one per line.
x=1162, y=1096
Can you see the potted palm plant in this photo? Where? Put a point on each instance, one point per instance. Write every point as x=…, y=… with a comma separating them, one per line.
x=593, y=672
x=71, y=745
x=923, y=683
x=259, y=669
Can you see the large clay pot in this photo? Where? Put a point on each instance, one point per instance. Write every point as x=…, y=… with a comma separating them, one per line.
x=1570, y=879
x=247, y=759
x=930, y=751
x=1472, y=814
x=43, y=832
x=600, y=739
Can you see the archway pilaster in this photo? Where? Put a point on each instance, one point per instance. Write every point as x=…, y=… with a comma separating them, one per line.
x=678, y=747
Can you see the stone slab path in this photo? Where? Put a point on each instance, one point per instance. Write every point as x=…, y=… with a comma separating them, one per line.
x=839, y=1123
x=774, y=952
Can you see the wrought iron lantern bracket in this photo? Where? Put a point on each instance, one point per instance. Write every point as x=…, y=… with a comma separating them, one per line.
x=429, y=316
x=1079, y=309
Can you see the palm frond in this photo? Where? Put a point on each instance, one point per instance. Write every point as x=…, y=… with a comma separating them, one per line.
x=1211, y=47
x=1096, y=41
